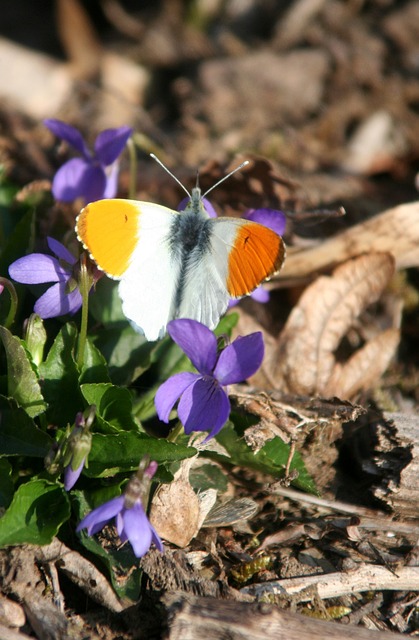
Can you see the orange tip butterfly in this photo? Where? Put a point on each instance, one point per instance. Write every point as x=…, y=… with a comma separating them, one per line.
x=173, y=264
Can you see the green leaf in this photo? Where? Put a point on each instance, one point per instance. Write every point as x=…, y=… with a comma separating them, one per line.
x=113, y=406
x=111, y=454
x=19, y=436
x=274, y=450
x=227, y=324
x=6, y=483
x=20, y=241
x=105, y=306
x=7, y=189
x=126, y=351
x=271, y=459
x=208, y=476
x=94, y=367
x=61, y=378
x=34, y=516
x=23, y=383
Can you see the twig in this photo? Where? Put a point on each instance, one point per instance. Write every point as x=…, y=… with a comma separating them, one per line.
x=333, y=585
x=370, y=519
x=82, y=572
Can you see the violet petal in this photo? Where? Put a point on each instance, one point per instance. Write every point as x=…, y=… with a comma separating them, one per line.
x=170, y=391
x=197, y=341
x=71, y=477
x=96, y=519
x=209, y=208
x=204, y=406
x=270, y=218
x=37, y=268
x=223, y=414
x=137, y=529
x=111, y=173
x=240, y=359
x=260, y=294
x=69, y=134
x=119, y=523
x=56, y=302
x=61, y=251
x=156, y=539
x=79, y=179
x=110, y=143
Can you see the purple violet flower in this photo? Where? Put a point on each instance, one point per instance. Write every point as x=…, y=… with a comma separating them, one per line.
x=203, y=403
x=94, y=175
x=132, y=523
x=38, y=268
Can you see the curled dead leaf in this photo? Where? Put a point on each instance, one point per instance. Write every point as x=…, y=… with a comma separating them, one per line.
x=395, y=231
x=180, y=524
x=177, y=525
x=305, y=360
x=365, y=366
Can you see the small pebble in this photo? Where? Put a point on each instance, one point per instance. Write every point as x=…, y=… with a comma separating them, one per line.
x=11, y=613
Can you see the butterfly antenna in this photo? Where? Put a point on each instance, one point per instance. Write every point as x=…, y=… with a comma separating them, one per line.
x=243, y=164
x=172, y=175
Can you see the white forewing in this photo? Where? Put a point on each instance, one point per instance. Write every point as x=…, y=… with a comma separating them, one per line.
x=148, y=287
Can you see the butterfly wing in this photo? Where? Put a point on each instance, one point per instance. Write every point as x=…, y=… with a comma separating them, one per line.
x=255, y=253
x=241, y=255
x=129, y=241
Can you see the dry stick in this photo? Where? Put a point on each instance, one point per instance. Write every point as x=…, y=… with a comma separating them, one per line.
x=367, y=577
x=395, y=230
x=193, y=617
x=371, y=519
x=81, y=572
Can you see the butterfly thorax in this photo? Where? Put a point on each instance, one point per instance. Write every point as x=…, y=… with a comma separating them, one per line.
x=190, y=232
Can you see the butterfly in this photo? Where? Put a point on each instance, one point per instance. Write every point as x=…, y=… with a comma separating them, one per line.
x=177, y=264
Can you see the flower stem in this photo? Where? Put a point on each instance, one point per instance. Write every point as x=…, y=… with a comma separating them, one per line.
x=4, y=282
x=132, y=190
x=84, y=286
x=175, y=432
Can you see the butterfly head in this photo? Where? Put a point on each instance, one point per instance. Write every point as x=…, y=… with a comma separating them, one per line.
x=197, y=202
x=197, y=205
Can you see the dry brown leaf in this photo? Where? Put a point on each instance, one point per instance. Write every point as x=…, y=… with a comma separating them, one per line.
x=246, y=324
x=395, y=231
x=181, y=524
x=365, y=367
x=305, y=362
x=178, y=525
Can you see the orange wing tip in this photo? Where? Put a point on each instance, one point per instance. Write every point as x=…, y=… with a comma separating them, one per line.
x=108, y=230
x=257, y=254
